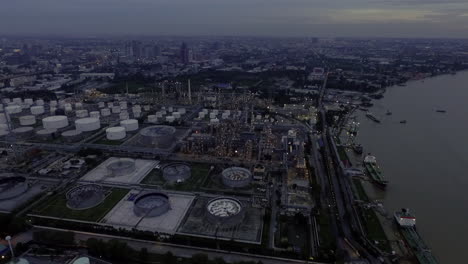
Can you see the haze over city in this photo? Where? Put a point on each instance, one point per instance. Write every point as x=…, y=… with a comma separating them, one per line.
x=323, y=18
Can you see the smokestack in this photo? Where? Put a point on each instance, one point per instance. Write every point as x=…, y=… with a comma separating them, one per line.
x=189, y=92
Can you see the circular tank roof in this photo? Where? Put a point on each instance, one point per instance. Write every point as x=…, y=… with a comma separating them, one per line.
x=155, y=131
x=224, y=207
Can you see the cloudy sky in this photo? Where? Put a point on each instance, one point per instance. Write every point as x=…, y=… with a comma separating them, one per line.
x=324, y=18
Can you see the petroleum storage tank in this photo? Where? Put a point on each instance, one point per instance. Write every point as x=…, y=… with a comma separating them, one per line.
x=146, y=107
x=136, y=114
x=160, y=136
x=28, y=101
x=45, y=134
x=181, y=111
x=129, y=124
x=170, y=119
x=110, y=104
x=72, y=135
x=17, y=100
x=151, y=204
x=6, y=100
x=105, y=112
x=225, y=212
x=115, y=133
x=123, y=105
x=212, y=115
x=152, y=119
x=176, y=115
x=37, y=110
x=2, y=118
x=124, y=115
x=116, y=109
x=95, y=114
x=81, y=113
x=24, y=132
x=101, y=105
x=236, y=177
x=27, y=120
x=39, y=102
x=4, y=133
x=87, y=124
x=13, y=109
x=55, y=122
x=121, y=167
x=78, y=105
x=53, y=103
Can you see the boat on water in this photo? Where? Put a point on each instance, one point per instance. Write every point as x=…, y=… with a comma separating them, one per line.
x=370, y=164
x=372, y=117
x=403, y=122
x=441, y=111
x=407, y=224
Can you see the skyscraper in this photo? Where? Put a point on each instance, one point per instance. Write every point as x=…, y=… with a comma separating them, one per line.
x=184, y=53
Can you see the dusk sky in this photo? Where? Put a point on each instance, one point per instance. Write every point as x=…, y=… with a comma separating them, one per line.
x=322, y=18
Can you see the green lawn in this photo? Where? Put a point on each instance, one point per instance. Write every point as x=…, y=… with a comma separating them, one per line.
x=199, y=173
x=56, y=206
x=154, y=178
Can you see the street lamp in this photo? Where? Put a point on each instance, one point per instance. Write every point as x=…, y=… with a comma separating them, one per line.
x=8, y=238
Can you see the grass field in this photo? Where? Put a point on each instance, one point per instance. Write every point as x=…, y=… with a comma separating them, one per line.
x=56, y=206
x=199, y=173
x=154, y=178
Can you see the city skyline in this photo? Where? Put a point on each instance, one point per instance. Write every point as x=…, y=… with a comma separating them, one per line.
x=355, y=18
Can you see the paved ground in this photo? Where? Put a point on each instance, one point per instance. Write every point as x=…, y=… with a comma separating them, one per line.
x=100, y=173
x=10, y=204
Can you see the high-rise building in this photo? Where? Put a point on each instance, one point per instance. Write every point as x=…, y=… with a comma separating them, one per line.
x=184, y=53
x=156, y=51
x=137, y=49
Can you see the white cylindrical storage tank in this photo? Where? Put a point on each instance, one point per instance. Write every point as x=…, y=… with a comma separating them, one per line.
x=39, y=102
x=81, y=113
x=212, y=115
x=259, y=117
x=124, y=115
x=53, y=109
x=27, y=120
x=176, y=115
x=123, y=105
x=3, y=127
x=170, y=119
x=110, y=104
x=17, y=100
x=45, y=134
x=159, y=114
x=55, y=122
x=214, y=121
x=105, y=112
x=6, y=100
x=129, y=124
x=37, y=110
x=170, y=109
x=71, y=135
x=152, y=119
x=78, y=105
x=23, y=132
x=182, y=111
x=215, y=111
x=87, y=124
x=163, y=112
x=65, y=105
x=101, y=105
x=13, y=109
x=29, y=101
x=136, y=108
x=116, y=109
x=205, y=111
x=115, y=133
x=201, y=115
x=224, y=116
x=1, y=107
x=53, y=103
x=146, y=107
x=94, y=114
x=136, y=114
x=227, y=112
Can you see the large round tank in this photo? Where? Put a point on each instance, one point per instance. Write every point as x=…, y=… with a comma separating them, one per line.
x=176, y=172
x=85, y=196
x=101, y=104
x=224, y=212
x=201, y=115
x=105, y=112
x=45, y=134
x=170, y=119
x=124, y=116
x=4, y=133
x=159, y=114
x=78, y=105
x=17, y=100
x=13, y=109
x=176, y=115
x=115, y=133
x=129, y=124
x=152, y=119
x=136, y=114
x=159, y=136
x=110, y=104
x=2, y=118
x=23, y=132
x=123, y=105
x=28, y=101
x=151, y=204
x=53, y=103
x=181, y=110
x=39, y=102
x=121, y=167
x=55, y=122
x=94, y=114
x=147, y=107
x=236, y=177
x=3, y=127
x=12, y=186
x=27, y=120
x=116, y=109
x=37, y=110
x=71, y=135
x=87, y=124
x=81, y=113
x=6, y=100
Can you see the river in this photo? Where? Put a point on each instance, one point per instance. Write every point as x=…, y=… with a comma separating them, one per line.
x=426, y=159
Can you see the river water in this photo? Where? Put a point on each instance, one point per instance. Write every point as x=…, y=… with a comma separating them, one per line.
x=426, y=159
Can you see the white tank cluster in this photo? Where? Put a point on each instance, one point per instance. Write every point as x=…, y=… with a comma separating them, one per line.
x=115, y=109
x=124, y=115
x=55, y=122
x=129, y=124
x=81, y=113
x=101, y=104
x=94, y=114
x=13, y=109
x=37, y=110
x=152, y=119
x=105, y=112
x=87, y=124
x=23, y=132
x=45, y=134
x=27, y=120
x=116, y=133
x=40, y=102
